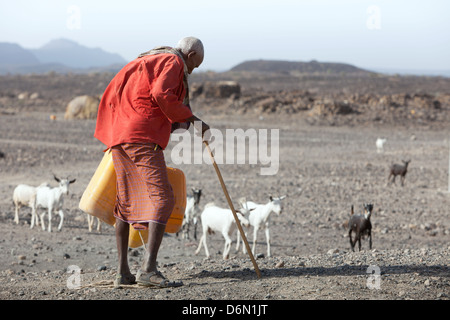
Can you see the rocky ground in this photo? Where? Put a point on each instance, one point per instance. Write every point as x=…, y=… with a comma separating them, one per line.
x=323, y=170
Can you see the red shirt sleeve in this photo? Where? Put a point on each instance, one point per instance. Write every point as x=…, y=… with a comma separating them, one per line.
x=167, y=89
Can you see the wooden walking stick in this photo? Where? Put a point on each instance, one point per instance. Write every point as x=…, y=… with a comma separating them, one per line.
x=230, y=203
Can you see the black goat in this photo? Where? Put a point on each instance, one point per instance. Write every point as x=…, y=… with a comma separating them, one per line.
x=360, y=224
x=398, y=169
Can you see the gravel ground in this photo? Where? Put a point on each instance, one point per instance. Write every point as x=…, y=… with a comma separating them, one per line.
x=323, y=170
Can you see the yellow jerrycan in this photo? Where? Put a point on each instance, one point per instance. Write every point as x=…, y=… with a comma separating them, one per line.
x=99, y=198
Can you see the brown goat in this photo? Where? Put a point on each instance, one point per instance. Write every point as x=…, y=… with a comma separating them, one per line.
x=398, y=169
x=360, y=224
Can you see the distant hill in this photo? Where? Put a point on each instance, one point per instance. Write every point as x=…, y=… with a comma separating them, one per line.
x=12, y=54
x=74, y=55
x=60, y=56
x=302, y=67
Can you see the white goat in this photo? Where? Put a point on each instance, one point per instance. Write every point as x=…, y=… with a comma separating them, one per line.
x=191, y=214
x=52, y=199
x=25, y=195
x=259, y=218
x=380, y=144
x=91, y=223
x=220, y=220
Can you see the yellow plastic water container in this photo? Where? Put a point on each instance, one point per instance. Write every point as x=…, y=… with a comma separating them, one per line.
x=99, y=198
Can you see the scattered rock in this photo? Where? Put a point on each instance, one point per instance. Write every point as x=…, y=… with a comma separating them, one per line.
x=311, y=259
x=34, y=96
x=82, y=107
x=333, y=251
x=219, y=90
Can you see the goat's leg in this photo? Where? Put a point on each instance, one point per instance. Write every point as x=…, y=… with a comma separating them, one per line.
x=227, y=248
x=402, y=180
x=255, y=234
x=268, y=241
x=33, y=217
x=370, y=239
x=183, y=223
x=42, y=220
x=186, y=230
x=238, y=240
x=36, y=216
x=90, y=222
x=203, y=242
x=195, y=228
x=241, y=240
x=61, y=215
x=50, y=219
x=352, y=244
x=16, y=216
x=358, y=237
x=99, y=225
x=199, y=245
x=206, y=247
x=188, y=227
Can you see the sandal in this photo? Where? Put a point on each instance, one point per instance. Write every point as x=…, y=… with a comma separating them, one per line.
x=155, y=279
x=124, y=280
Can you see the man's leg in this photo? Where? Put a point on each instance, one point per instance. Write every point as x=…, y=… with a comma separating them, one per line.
x=122, y=234
x=149, y=275
x=155, y=236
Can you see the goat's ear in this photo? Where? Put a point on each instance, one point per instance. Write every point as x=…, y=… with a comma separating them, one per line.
x=72, y=181
x=270, y=197
x=252, y=209
x=282, y=197
x=56, y=178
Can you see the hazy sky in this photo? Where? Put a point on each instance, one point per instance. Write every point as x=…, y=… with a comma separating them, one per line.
x=382, y=34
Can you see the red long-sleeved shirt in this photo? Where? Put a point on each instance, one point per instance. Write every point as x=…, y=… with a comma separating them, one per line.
x=142, y=101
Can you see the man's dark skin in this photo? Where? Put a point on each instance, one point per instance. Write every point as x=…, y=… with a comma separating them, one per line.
x=155, y=230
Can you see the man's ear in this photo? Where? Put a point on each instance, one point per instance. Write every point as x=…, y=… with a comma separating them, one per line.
x=191, y=54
